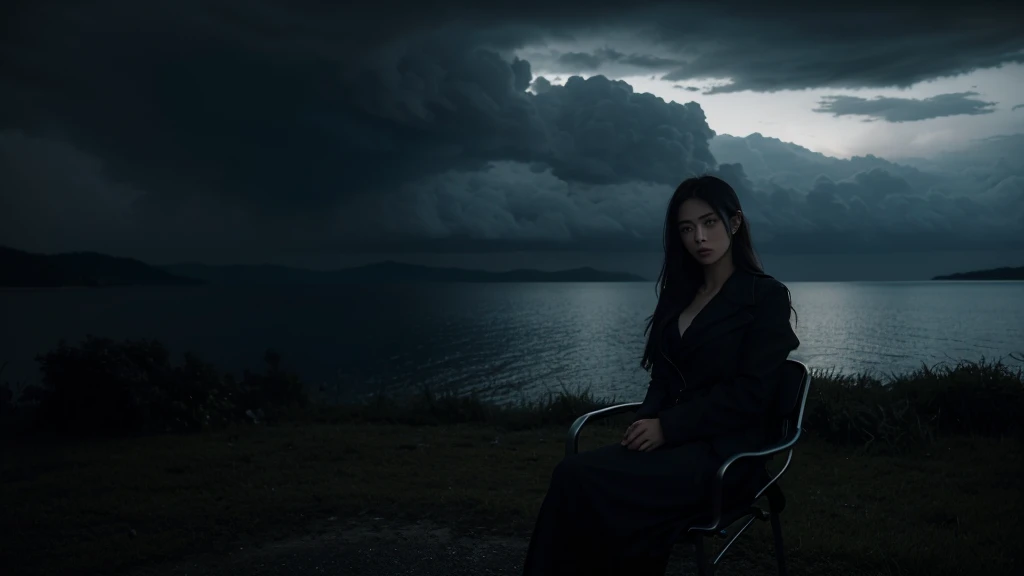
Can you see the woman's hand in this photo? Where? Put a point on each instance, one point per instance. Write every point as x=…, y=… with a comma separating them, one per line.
x=644, y=435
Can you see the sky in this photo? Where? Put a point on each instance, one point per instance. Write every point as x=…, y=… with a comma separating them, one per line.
x=867, y=140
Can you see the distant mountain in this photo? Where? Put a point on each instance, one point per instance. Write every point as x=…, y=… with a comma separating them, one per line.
x=25, y=270
x=993, y=274
x=384, y=272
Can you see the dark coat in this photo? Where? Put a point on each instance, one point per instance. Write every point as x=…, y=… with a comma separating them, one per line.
x=719, y=384
x=714, y=390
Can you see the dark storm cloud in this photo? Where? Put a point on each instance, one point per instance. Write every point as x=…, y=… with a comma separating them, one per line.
x=582, y=61
x=273, y=147
x=766, y=159
x=906, y=109
x=808, y=201
x=61, y=195
x=833, y=45
x=540, y=85
x=594, y=61
x=180, y=129
x=986, y=160
x=1016, y=107
x=767, y=47
x=796, y=201
x=764, y=46
x=759, y=46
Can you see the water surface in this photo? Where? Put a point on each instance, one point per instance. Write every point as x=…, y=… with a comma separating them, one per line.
x=507, y=341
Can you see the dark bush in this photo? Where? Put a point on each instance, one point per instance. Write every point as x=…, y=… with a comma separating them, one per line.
x=982, y=398
x=6, y=405
x=107, y=388
x=102, y=387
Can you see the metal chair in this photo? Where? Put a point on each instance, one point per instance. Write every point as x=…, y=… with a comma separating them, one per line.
x=794, y=385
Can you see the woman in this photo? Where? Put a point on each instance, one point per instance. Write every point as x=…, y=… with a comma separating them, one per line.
x=718, y=335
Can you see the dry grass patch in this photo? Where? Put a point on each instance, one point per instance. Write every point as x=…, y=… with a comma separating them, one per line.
x=110, y=505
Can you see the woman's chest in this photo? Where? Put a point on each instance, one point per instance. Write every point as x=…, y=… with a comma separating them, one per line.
x=706, y=351
x=690, y=313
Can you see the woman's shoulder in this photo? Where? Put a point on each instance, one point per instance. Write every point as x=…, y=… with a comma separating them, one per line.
x=770, y=283
x=766, y=288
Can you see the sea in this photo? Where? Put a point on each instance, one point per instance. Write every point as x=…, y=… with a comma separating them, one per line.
x=505, y=342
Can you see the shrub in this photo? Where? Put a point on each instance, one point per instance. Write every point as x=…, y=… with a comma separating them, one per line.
x=983, y=398
x=106, y=388
x=102, y=387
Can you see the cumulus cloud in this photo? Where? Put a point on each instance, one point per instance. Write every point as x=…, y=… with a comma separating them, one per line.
x=799, y=45
x=56, y=197
x=601, y=131
x=540, y=85
x=822, y=204
x=750, y=45
x=602, y=57
x=906, y=109
x=812, y=202
x=174, y=128
x=508, y=204
x=770, y=161
x=986, y=160
x=232, y=146
x=61, y=196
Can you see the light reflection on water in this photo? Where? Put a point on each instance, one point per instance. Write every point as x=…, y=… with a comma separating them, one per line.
x=506, y=341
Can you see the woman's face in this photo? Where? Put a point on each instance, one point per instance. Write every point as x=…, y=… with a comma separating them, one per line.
x=706, y=237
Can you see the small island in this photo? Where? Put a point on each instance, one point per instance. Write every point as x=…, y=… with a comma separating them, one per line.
x=1005, y=273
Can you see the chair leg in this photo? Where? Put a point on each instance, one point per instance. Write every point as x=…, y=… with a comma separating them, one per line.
x=780, y=550
x=704, y=568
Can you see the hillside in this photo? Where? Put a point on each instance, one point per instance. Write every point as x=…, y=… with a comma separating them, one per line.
x=1006, y=273
x=24, y=270
x=385, y=272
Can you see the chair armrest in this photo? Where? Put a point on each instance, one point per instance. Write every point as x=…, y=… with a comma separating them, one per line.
x=572, y=441
x=719, y=481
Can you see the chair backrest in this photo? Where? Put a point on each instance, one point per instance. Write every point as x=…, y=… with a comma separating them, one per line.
x=794, y=387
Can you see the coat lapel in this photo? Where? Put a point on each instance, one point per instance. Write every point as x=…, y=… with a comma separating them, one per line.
x=729, y=310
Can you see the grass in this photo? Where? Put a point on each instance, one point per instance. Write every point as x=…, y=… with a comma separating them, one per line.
x=104, y=506
x=916, y=474
x=898, y=414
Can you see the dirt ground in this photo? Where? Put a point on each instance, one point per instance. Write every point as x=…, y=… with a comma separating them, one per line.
x=422, y=549
x=388, y=549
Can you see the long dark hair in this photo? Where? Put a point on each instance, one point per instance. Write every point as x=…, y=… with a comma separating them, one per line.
x=681, y=275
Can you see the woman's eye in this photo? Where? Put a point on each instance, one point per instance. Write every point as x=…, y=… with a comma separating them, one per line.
x=710, y=221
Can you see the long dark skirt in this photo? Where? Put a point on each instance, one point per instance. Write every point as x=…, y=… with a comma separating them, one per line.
x=614, y=510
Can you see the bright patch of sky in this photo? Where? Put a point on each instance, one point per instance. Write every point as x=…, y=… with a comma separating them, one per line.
x=789, y=115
